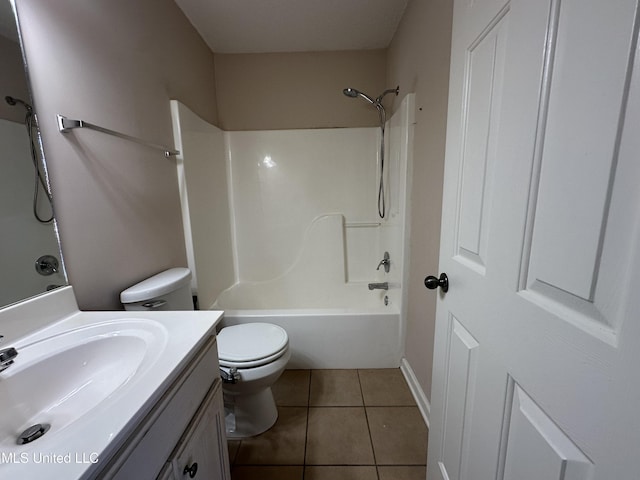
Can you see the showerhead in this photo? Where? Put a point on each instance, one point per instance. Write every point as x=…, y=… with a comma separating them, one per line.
x=14, y=101
x=353, y=93
x=349, y=92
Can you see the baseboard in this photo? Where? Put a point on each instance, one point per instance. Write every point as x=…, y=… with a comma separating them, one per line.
x=418, y=394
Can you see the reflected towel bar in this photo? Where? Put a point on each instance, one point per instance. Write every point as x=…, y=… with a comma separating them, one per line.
x=65, y=125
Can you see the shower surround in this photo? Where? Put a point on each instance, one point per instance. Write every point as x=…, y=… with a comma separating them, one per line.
x=23, y=238
x=282, y=227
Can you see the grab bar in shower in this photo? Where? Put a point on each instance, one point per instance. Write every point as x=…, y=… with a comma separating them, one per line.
x=362, y=224
x=65, y=125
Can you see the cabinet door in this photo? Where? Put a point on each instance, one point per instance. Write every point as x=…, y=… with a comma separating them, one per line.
x=202, y=452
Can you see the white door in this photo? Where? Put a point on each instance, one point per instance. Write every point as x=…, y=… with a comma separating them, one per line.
x=537, y=348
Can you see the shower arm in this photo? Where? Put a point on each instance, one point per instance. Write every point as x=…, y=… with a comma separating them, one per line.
x=382, y=113
x=386, y=92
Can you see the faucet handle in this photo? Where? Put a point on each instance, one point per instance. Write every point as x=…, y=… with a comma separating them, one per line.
x=7, y=355
x=385, y=262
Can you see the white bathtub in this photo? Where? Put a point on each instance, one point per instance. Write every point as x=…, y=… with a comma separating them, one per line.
x=334, y=338
x=331, y=323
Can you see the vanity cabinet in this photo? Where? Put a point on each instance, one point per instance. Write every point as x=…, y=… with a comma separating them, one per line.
x=184, y=434
x=199, y=453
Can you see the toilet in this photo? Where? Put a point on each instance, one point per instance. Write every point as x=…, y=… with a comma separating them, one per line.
x=252, y=355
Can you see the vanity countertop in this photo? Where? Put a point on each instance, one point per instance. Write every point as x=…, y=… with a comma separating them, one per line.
x=99, y=374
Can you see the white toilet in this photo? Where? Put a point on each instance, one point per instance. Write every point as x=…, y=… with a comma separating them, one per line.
x=252, y=355
x=255, y=354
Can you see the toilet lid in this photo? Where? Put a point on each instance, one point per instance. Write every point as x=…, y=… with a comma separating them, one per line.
x=253, y=363
x=249, y=343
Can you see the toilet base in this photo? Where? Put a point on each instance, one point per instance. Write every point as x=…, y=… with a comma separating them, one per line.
x=251, y=414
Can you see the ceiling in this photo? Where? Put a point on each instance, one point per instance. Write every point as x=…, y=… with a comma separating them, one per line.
x=261, y=26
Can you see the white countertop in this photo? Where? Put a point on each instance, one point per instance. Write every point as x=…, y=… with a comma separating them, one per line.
x=71, y=451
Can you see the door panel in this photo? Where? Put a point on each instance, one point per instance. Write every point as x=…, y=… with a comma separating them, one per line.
x=535, y=447
x=538, y=340
x=571, y=206
x=460, y=381
x=481, y=106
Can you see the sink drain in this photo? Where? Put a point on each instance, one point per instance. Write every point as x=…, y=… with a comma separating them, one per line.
x=32, y=433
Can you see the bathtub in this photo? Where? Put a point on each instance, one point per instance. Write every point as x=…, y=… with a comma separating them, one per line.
x=331, y=322
x=333, y=337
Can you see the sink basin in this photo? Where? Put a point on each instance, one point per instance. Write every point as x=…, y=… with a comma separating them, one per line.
x=60, y=379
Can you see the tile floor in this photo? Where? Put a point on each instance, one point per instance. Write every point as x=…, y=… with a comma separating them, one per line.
x=337, y=425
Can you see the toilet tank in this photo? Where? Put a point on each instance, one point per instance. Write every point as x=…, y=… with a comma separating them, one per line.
x=168, y=290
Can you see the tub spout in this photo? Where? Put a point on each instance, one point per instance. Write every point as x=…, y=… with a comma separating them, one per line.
x=379, y=286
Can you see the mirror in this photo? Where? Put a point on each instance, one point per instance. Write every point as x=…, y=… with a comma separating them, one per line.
x=30, y=259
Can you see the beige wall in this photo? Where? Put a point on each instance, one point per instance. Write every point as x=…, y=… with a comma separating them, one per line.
x=278, y=91
x=418, y=60
x=13, y=81
x=115, y=63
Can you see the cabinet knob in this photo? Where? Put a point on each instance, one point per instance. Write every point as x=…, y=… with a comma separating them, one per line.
x=191, y=470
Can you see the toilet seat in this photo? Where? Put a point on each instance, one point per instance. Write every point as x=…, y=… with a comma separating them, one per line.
x=253, y=363
x=251, y=345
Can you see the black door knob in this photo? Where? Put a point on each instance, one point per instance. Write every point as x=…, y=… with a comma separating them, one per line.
x=432, y=282
x=191, y=470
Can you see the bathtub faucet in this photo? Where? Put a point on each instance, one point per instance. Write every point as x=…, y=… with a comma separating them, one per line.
x=379, y=286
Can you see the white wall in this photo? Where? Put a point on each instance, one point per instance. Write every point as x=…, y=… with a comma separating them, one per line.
x=394, y=229
x=304, y=228
x=202, y=177
x=282, y=180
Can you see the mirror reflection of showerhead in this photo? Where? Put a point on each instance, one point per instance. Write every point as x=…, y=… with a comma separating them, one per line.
x=15, y=101
x=40, y=181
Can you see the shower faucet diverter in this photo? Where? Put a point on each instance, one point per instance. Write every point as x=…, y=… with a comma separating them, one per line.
x=385, y=262
x=382, y=114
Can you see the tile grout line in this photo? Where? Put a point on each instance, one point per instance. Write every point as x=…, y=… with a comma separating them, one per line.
x=366, y=416
x=306, y=431
x=308, y=407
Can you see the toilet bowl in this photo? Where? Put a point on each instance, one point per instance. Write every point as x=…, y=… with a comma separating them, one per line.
x=252, y=356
